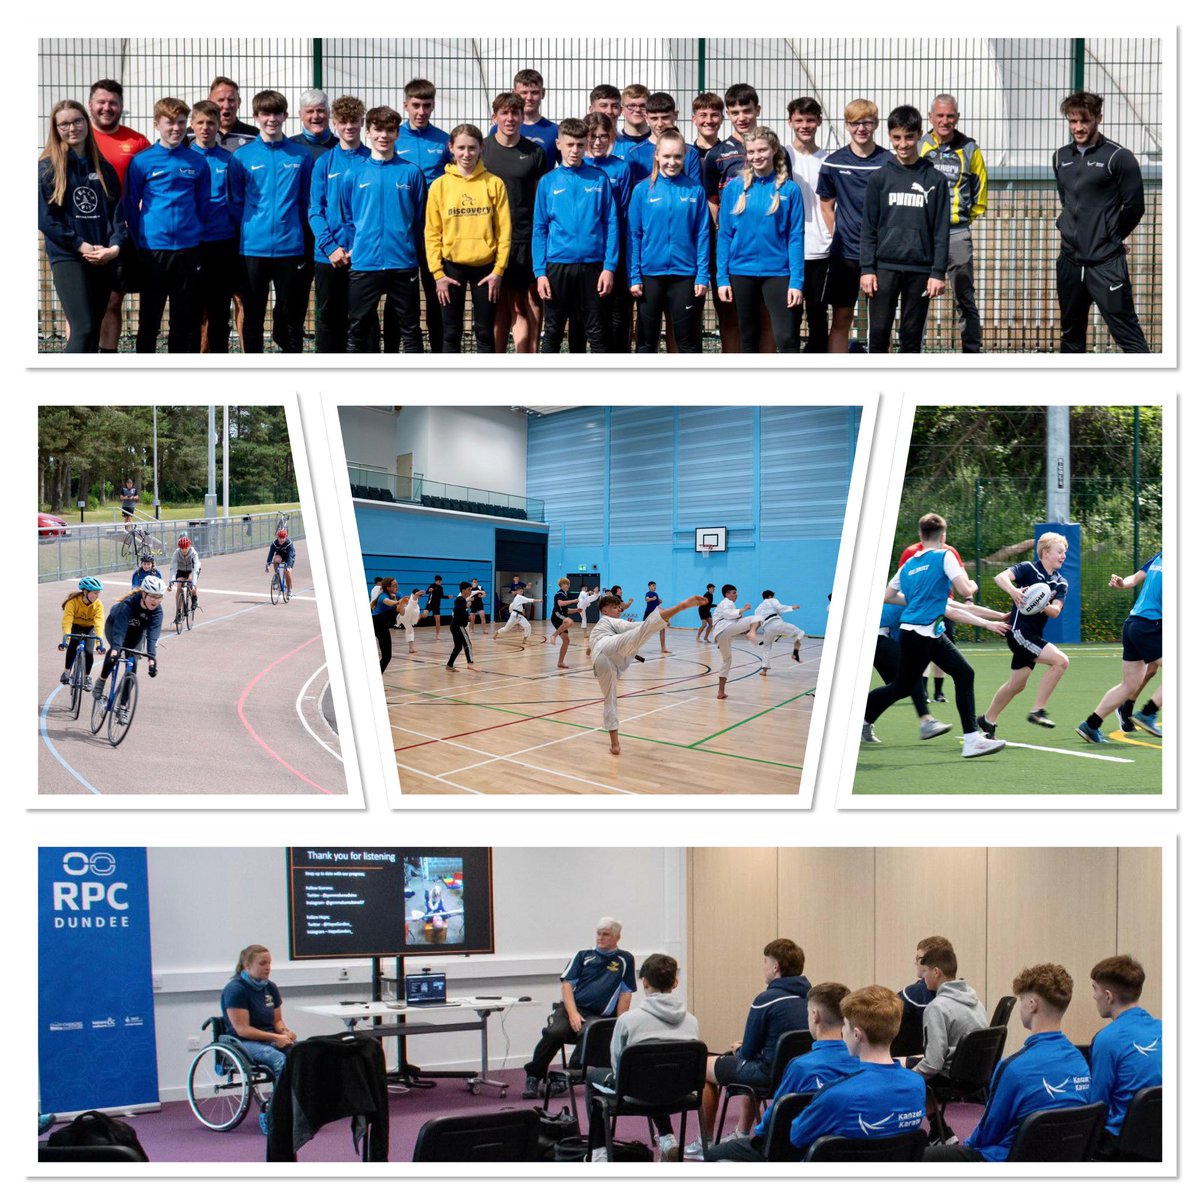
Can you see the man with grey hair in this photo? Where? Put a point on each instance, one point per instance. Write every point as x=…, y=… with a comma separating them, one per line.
x=960, y=161
x=314, y=118
x=599, y=982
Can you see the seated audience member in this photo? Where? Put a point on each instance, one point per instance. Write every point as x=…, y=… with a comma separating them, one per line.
x=827, y=1062
x=1126, y=1056
x=917, y=996
x=881, y=1098
x=661, y=1017
x=1047, y=1072
x=253, y=1010
x=597, y=983
x=953, y=1012
x=781, y=1007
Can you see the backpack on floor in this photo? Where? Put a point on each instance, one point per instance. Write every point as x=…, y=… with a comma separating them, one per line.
x=574, y=1149
x=98, y=1129
x=553, y=1128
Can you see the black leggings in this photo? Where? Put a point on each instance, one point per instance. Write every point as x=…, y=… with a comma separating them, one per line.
x=83, y=292
x=483, y=310
x=383, y=634
x=674, y=294
x=916, y=653
x=887, y=663
x=749, y=291
x=291, y=278
x=907, y=287
x=74, y=645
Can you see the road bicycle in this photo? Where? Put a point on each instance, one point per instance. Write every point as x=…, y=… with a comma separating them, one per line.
x=279, y=587
x=78, y=670
x=185, y=603
x=136, y=543
x=115, y=699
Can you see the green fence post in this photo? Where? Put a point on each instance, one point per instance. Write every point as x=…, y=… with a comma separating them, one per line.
x=701, y=51
x=1137, y=486
x=316, y=59
x=978, y=542
x=1077, y=45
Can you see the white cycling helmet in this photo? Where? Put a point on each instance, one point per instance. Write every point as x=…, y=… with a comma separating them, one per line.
x=153, y=586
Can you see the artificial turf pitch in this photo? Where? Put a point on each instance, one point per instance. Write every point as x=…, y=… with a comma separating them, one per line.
x=904, y=764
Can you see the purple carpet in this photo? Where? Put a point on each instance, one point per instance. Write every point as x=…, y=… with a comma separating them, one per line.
x=174, y=1135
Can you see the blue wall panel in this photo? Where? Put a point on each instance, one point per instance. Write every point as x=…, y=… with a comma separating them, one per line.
x=641, y=488
x=717, y=474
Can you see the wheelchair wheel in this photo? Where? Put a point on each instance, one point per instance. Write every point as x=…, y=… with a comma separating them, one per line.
x=218, y=1088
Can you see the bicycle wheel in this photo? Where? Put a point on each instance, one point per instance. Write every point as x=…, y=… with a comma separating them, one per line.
x=188, y=612
x=283, y=587
x=180, y=605
x=77, y=684
x=100, y=702
x=275, y=589
x=218, y=1090
x=118, y=729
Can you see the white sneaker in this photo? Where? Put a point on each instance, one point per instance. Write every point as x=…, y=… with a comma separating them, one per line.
x=977, y=744
x=694, y=1150
x=868, y=733
x=932, y=728
x=668, y=1148
x=600, y=1155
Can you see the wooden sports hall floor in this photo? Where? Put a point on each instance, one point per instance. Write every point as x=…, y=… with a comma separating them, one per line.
x=518, y=725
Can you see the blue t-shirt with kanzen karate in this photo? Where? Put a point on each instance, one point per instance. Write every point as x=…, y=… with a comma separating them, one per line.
x=598, y=977
x=1149, y=601
x=879, y=1100
x=260, y=1001
x=1126, y=1057
x=825, y=1063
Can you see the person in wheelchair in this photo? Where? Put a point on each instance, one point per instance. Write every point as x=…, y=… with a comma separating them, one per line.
x=253, y=1011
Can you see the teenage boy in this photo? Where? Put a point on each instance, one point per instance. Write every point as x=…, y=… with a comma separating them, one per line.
x=531, y=87
x=917, y=996
x=774, y=628
x=708, y=115
x=615, y=644
x=842, y=188
x=881, y=1099
x=953, y=1012
x=887, y=662
x=661, y=1017
x=383, y=201
x=576, y=242
x=516, y=618
x=1047, y=1072
x=234, y=134
x=118, y=145
x=905, y=241
x=167, y=206
x=425, y=146
x=1100, y=188
x=460, y=621
x=1029, y=648
x=520, y=163
x=728, y=622
x=634, y=128
x=961, y=164
x=616, y=309
x=827, y=1062
x=922, y=582
x=606, y=99
x=722, y=163
x=805, y=158
x=661, y=114
x=332, y=237
x=219, y=243
x=268, y=191
x=1126, y=1056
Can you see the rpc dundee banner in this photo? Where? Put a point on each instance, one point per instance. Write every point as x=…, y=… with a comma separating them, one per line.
x=95, y=992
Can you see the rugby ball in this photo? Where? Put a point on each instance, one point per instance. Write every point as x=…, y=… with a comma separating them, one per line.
x=1037, y=596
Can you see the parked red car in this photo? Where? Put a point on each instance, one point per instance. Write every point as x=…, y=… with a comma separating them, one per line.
x=51, y=526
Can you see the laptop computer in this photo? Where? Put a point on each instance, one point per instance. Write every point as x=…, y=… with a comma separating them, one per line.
x=426, y=989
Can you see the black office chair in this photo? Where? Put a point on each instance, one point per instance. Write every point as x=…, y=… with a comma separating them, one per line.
x=790, y=1045
x=1059, y=1134
x=901, y=1147
x=777, y=1141
x=1140, y=1139
x=80, y=1154
x=910, y=1040
x=1004, y=1007
x=971, y=1069
x=595, y=1050
x=655, y=1079
x=509, y=1136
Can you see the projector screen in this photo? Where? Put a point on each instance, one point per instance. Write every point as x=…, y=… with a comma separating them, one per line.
x=385, y=902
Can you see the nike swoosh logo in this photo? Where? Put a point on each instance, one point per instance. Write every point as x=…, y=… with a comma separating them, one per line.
x=363, y=185
x=334, y=174
x=256, y=166
x=558, y=191
x=688, y=307
x=156, y=174
x=522, y=157
x=655, y=199
x=1116, y=287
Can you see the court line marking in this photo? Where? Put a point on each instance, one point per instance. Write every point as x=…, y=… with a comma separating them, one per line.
x=789, y=700
x=425, y=774
x=300, y=697
x=1119, y=735
x=1070, y=753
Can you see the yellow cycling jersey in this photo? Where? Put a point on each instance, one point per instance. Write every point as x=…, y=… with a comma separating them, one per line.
x=77, y=612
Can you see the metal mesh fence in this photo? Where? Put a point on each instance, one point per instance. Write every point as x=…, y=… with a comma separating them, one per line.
x=103, y=549
x=1008, y=92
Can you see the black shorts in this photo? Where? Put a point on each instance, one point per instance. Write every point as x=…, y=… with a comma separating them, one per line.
x=751, y=1073
x=1025, y=649
x=518, y=273
x=843, y=283
x=1141, y=639
x=183, y=575
x=125, y=273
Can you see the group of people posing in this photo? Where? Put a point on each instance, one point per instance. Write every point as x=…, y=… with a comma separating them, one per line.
x=858, y=1089
x=558, y=231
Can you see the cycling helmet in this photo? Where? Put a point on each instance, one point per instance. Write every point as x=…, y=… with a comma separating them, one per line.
x=147, y=557
x=153, y=586
x=89, y=583
x=280, y=533
x=184, y=543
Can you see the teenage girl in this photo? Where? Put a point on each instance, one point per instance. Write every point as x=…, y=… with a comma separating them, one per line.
x=383, y=617
x=83, y=613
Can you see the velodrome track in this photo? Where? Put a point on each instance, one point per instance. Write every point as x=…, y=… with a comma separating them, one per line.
x=239, y=705
x=519, y=725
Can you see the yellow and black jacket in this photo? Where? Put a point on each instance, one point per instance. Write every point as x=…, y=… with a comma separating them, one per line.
x=961, y=163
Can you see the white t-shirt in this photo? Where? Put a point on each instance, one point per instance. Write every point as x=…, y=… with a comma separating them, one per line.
x=805, y=169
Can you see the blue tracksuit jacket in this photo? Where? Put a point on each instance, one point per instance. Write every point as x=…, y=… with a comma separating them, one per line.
x=384, y=201
x=1126, y=1057
x=641, y=162
x=668, y=229
x=167, y=198
x=219, y=226
x=879, y=1100
x=268, y=194
x=427, y=149
x=325, y=217
x=755, y=243
x=825, y=1063
x=575, y=219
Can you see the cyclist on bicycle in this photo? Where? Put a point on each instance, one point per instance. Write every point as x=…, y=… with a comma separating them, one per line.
x=185, y=565
x=83, y=613
x=134, y=617
x=282, y=550
x=146, y=569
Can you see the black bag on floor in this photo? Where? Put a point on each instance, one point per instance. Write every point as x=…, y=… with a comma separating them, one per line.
x=98, y=1129
x=554, y=1127
x=574, y=1149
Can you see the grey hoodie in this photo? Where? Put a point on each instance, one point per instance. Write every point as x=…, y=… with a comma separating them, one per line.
x=661, y=1017
x=954, y=1012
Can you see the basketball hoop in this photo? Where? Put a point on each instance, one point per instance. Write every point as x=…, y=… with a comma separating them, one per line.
x=704, y=550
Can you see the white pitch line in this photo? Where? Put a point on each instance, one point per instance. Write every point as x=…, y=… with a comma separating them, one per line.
x=462, y=787
x=1071, y=753
x=257, y=595
x=445, y=741
x=300, y=698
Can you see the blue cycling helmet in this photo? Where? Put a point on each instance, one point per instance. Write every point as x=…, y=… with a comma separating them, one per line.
x=89, y=583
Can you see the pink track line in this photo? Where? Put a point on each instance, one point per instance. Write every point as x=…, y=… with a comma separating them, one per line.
x=250, y=728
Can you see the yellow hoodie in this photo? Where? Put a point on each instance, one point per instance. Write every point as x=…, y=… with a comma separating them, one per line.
x=77, y=612
x=467, y=220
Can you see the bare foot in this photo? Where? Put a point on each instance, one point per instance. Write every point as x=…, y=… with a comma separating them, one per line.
x=451, y=668
x=614, y=749
x=721, y=694
x=665, y=650
x=563, y=667
x=764, y=670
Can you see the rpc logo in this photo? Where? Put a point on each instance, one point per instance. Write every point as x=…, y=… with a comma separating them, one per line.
x=78, y=895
